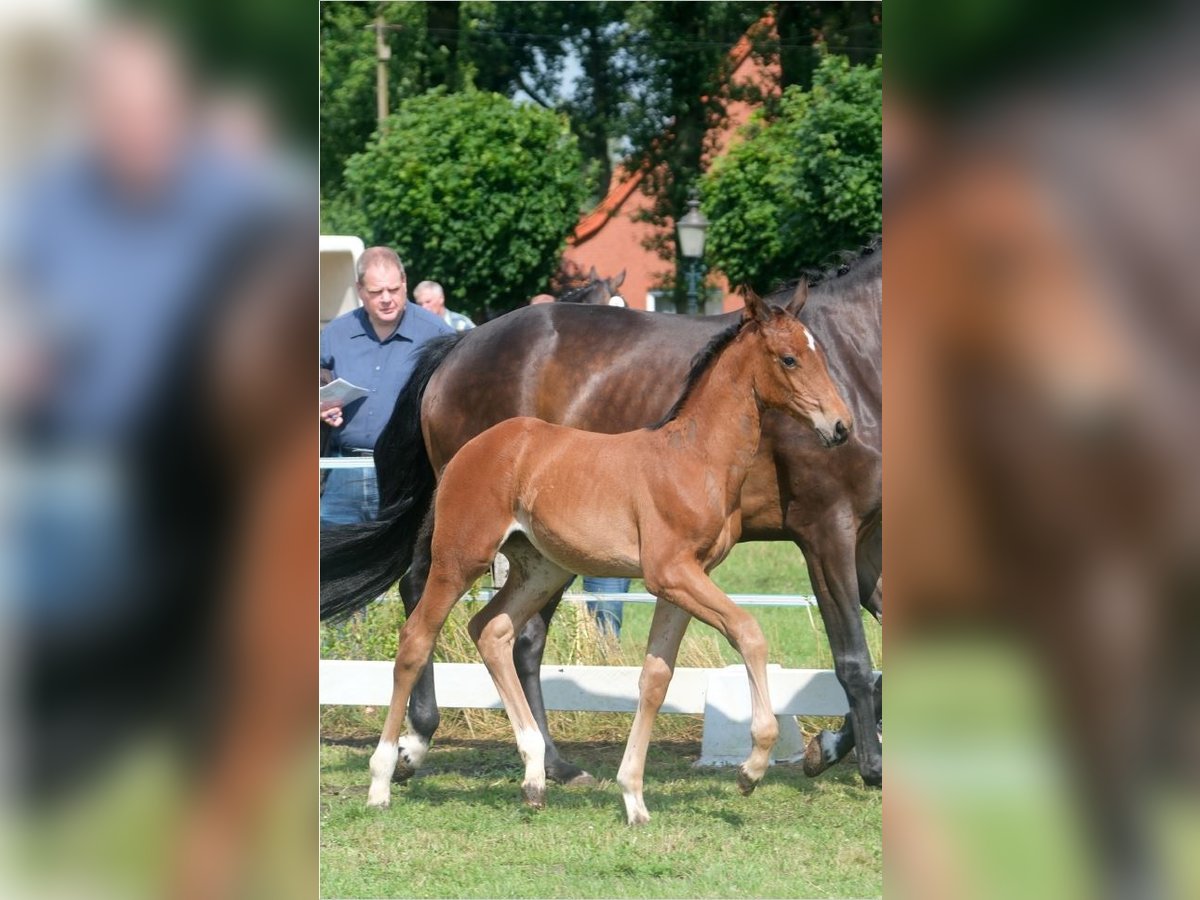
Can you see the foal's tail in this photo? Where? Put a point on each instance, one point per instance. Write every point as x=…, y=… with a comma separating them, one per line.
x=360, y=562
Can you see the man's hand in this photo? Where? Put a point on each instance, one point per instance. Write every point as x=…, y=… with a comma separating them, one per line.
x=331, y=413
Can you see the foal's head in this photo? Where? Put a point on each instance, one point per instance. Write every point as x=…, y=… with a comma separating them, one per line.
x=793, y=375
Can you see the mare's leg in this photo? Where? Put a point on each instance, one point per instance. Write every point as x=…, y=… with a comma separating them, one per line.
x=423, y=714
x=830, y=747
x=450, y=575
x=685, y=584
x=527, y=657
x=532, y=581
x=666, y=632
x=830, y=553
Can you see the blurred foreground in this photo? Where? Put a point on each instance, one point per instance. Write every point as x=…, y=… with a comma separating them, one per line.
x=157, y=285
x=1043, y=504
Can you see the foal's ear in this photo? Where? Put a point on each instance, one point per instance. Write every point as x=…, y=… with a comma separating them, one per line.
x=756, y=307
x=617, y=281
x=798, y=297
x=592, y=275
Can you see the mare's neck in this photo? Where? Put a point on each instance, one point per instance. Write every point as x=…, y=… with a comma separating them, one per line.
x=721, y=420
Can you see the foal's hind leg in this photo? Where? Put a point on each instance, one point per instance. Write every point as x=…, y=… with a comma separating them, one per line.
x=423, y=714
x=532, y=581
x=449, y=578
x=527, y=657
x=666, y=632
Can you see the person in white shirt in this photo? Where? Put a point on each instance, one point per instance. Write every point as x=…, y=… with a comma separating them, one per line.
x=430, y=295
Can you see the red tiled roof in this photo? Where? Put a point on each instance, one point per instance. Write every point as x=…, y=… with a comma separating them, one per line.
x=625, y=182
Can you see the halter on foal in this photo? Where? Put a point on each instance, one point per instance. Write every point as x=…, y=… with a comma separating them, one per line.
x=661, y=503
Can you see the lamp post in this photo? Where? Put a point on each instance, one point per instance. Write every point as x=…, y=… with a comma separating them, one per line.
x=691, y=229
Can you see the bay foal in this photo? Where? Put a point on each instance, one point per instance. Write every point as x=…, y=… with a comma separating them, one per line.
x=661, y=503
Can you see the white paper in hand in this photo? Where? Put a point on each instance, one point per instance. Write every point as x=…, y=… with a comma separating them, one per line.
x=341, y=391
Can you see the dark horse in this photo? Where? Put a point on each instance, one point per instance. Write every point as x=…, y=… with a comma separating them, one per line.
x=611, y=370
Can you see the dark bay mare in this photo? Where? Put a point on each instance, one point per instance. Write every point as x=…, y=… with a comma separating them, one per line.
x=613, y=370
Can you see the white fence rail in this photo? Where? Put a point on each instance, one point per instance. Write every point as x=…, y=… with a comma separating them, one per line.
x=721, y=695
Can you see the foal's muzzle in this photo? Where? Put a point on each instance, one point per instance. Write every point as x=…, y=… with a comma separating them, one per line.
x=837, y=435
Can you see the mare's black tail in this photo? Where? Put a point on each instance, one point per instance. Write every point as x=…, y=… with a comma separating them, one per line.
x=360, y=562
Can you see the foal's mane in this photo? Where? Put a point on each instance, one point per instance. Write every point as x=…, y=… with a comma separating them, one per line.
x=700, y=363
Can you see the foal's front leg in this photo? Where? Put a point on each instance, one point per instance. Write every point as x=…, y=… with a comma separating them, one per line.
x=686, y=584
x=666, y=633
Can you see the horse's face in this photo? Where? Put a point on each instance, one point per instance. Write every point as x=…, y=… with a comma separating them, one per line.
x=792, y=374
x=597, y=291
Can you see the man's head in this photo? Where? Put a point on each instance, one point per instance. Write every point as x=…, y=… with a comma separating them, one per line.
x=430, y=295
x=541, y=298
x=381, y=286
x=138, y=104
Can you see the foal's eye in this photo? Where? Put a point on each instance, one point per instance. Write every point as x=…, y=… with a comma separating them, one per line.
x=789, y=361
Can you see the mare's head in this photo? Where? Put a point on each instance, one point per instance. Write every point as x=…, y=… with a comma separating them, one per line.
x=791, y=373
x=597, y=291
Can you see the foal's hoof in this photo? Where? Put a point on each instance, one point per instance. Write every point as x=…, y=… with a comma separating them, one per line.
x=583, y=779
x=378, y=801
x=639, y=817
x=815, y=760
x=745, y=783
x=535, y=797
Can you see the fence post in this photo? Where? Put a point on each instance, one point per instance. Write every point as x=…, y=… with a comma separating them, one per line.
x=726, y=740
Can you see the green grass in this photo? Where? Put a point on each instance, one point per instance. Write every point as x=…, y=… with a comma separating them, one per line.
x=461, y=831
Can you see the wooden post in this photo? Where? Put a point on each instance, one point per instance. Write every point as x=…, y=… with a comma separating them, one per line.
x=382, y=54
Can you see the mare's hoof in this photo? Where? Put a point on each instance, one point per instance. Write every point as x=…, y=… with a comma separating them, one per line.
x=875, y=779
x=379, y=802
x=562, y=772
x=403, y=773
x=814, y=758
x=638, y=818
x=535, y=797
x=745, y=783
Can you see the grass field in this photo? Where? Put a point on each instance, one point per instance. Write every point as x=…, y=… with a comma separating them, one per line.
x=460, y=830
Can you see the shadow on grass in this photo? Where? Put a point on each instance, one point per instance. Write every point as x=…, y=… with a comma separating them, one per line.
x=673, y=787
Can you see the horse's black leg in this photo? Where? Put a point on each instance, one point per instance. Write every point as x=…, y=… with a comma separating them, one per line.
x=527, y=656
x=423, y=714
x=829, y=549
x=830, y=747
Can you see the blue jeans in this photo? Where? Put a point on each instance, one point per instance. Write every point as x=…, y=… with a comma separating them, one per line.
x=608, y=613
x=350, y=496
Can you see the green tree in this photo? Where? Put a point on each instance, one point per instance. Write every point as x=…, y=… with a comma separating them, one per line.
x=799, y=189
x=472, y=190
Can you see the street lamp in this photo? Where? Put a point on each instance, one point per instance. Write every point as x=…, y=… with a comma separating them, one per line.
x=692, y=228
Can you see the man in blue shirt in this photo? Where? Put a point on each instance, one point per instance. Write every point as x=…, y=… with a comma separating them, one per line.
x=373, y=347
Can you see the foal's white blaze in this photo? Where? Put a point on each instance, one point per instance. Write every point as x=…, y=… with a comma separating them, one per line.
x=383, y=764
x=812, y=342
